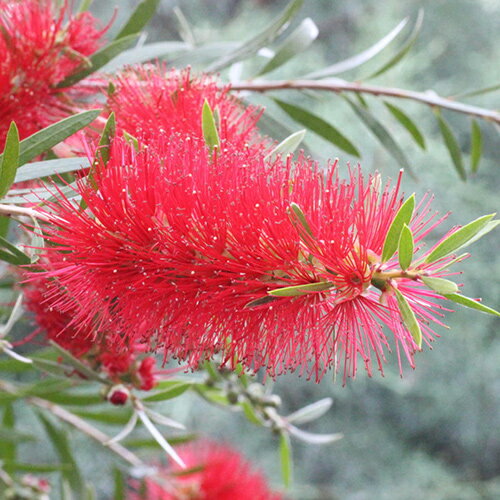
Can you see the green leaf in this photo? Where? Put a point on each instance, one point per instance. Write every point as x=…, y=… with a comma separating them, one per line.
x=13, y=254
x=116, y=416
x=48, y=137
x=407, y=123
x=440, y=285
x=476, y=146
x=249, y=412
x=183, y=27
x=61, y=445
x=298, y=290
x=409, y=318
x=209, y=127
x=40, y=169
x=472, y=303
x=119, y=482
x=286, y=459
x=175, y=390
x=451, y=144
x=10, y=435
x=484, y=90
x=74, y=399
x=299, y=219
x=318, y=126
x=459, y=238
x=139, y=18
x=52, y=367
x=98, y=60
x=35, y=468
x=382, y=134
x=9, y=160
x=4, y=226
x=251, y=46
x=492, y=224
x=405, y=248
x=402, y=218
x=85, y=5
x=104, y=142
x=8, y=448
x=298, y=41
x=405, y=48
x=288, y=145
x=146, y=52
x=361, y=58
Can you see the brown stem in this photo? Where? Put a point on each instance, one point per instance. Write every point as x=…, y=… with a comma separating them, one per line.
x=336, y=85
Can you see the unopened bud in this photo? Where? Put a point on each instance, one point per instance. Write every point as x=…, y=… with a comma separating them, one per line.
x=118, y=395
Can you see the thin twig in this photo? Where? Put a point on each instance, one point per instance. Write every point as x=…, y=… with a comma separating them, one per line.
x=336, y=85
x=10, y=210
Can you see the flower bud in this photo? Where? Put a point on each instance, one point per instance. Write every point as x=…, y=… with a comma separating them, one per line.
x=118, y=395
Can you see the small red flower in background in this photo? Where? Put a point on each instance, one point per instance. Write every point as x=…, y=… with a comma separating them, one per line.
x=150, y=103
x=219, y=473
x=38, y=50
x=197, y=255
x=100, y=352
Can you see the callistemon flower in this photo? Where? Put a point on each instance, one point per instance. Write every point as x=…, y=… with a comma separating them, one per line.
x=278, y=266
x=150, y=102
x=103, y=352
x=40, y=45
x=219, y=473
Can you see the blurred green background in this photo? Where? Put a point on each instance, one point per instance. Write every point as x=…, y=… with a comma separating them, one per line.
x=435, y=433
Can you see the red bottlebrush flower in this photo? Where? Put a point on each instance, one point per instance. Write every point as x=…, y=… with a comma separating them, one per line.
x=151, y=103
x=220, y=473
x=38, y=50
x=146, y=375
x=196, y=255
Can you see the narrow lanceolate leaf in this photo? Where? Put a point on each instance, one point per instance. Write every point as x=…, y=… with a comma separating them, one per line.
x=286, y=459
x=484, y=90
x=119, y=482
x=270, y=33
x=8, y=448
x=318, y=126
x=452, y=145
x=48, y=137
x=459, y=238
x=39, y=169
x=405, y=48
x=295, y=291
x=381, y=133
x=209, y=126
x=99, y=59
x=472, y=303
x=407, y=123
x=361, y=58
x=106, y=137
x=298, y=41
x=492, y=224
x=288, y=145
x=476, y=146
x=409, y=318
x=12, y=254
x=299, y=219
x=440, y=285
x=310, y=412
x=402, y=218
x=139, y=18
x=312, y=438
x=61, y=445
x=9, y=160
x=405, y=248
x=173, y=391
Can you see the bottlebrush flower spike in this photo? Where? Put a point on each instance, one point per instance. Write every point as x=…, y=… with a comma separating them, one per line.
x=272, y=265
x=218, y=473
x=149, y=99
x=40, y=45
